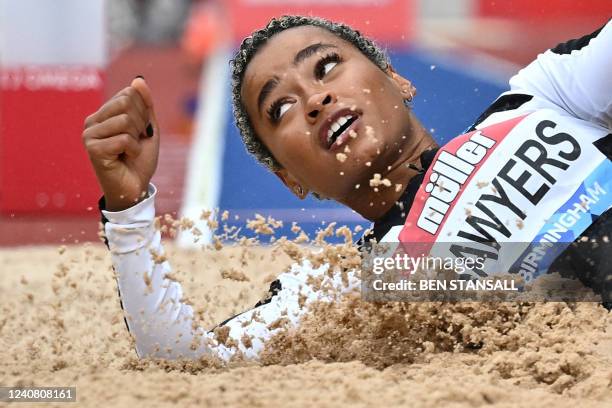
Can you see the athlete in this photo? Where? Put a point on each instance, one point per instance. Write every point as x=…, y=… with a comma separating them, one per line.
x=321, y=107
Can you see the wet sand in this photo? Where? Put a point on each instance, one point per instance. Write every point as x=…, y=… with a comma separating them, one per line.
x=61, y=325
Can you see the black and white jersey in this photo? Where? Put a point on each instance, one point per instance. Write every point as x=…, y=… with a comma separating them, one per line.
x=550, y=130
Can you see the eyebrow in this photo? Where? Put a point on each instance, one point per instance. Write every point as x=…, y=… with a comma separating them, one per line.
x=309, y=51
x=272, y=83
x=266, y=90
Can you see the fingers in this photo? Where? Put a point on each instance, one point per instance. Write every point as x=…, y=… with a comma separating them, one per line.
x=127, y=101
x=118, y=126
x=122, y=123
x=109, y=148
x=145, y=92
x=143, y=89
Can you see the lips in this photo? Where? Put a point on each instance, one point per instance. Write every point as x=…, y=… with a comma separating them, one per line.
x=336, y=129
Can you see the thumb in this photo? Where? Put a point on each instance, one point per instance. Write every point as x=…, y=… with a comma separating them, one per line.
x=143, y=89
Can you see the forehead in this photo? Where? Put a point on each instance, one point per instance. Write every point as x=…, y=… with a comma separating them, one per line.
x=278, y=52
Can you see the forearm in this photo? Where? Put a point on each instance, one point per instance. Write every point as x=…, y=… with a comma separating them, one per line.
x=162, y=325
x=159, y=321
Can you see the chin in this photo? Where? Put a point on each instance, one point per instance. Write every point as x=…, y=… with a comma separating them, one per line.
x=368, y=151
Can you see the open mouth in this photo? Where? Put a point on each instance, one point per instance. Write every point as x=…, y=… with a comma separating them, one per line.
x=338, y=130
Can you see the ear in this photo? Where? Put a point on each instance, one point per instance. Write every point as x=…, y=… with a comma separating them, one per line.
x=292, y=184
x=405, y=86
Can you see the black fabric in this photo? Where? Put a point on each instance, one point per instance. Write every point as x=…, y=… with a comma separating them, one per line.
x=605, y=145
x=103, y=219
x=588, y=258
x=575, y=44
x=501, y=104
x=398, y=212
x=275, y=288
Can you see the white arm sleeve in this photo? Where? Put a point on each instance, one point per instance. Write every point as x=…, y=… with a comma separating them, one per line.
x=578, y=81
x=157, y=319
x=161, y=323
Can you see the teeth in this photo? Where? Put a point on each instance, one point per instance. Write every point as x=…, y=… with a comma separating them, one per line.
x=337, y=125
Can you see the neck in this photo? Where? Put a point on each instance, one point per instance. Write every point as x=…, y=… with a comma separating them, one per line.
x=373, y=205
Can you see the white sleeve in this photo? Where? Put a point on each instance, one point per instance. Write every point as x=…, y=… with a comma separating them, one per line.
x=161, y=323
x=287, y=307
x=577, y=79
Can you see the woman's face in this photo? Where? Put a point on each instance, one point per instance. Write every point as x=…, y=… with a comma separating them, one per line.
x=329, y=115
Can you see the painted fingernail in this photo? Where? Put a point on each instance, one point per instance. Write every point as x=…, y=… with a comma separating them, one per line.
x=149, y=130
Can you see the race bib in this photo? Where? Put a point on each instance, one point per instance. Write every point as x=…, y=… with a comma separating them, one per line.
x=531, y=183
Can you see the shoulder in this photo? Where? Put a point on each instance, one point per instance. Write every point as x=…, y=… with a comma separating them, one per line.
x=538, y=85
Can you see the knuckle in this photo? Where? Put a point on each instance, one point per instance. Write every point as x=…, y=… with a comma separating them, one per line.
x=124, y=139
x=124, y=120
x=130, y=91
x=120, y=93
x=92, y=148
x=123, y=102
x=89, y=121
x=86, y=135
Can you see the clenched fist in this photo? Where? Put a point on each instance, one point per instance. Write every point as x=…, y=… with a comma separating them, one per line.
x=122, y=140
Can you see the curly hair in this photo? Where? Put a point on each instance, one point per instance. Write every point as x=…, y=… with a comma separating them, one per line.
x=253, y=43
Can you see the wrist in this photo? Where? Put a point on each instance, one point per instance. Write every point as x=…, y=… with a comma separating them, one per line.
x=120, y=203
x=141, y=211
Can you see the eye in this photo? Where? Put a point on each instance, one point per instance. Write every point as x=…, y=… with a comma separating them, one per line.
x=326, y=64
x=278, y=109
x=283, y=108
x=328, y=67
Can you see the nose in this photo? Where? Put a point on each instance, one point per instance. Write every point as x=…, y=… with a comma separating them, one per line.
x=316, y=103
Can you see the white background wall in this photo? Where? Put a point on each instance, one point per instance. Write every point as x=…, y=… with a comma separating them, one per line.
x=52, y=32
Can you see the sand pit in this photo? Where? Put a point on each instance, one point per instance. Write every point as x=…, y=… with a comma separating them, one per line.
x=61, y=324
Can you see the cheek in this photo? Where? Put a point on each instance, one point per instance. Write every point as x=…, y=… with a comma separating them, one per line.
x=298, y=154
x=373, y=90
x=389, y=96
x=293, y=147
x=367, y=76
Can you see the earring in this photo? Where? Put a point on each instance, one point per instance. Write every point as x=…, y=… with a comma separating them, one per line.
x=408, y=101
x=298, y=190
